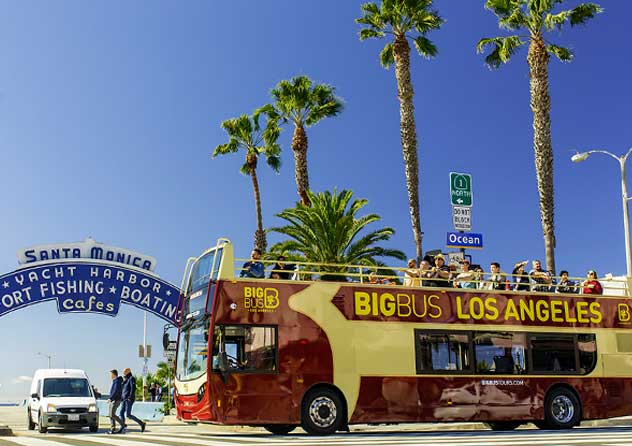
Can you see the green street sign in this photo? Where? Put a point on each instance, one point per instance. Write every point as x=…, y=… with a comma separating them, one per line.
x=461, y=189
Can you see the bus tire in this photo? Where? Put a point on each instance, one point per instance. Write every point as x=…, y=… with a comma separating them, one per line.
x=503, y=425
x=562, y=409
x=322, y=412
x=279, y=429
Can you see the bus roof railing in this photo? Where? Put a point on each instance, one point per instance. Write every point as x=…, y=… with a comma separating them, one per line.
x=390, y=275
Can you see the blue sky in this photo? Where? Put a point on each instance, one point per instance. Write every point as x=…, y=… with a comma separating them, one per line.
x=109, y=112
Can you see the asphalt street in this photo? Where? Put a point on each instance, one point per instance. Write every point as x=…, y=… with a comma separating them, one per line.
x=172, y=433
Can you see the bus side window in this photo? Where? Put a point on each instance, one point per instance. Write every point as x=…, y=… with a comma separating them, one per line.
x=442, y=351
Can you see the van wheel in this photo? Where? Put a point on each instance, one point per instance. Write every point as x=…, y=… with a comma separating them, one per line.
x=94, y=428
x=562, y=409
x=322, y=412
x=503, y=425
x=40, y=424
x=30, y=423
x=279, y=429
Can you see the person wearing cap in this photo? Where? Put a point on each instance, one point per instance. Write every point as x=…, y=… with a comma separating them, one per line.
x=114, y=400
x=441, y=271
x=521, y=281
x=591, y=285
x=466, y=278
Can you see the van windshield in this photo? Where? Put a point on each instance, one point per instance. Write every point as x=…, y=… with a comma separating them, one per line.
x=66, y=387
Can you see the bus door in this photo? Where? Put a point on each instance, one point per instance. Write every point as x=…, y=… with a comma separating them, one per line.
x=247, y=383
x=500, y=365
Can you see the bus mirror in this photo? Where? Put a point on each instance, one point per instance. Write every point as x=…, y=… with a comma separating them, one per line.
x=165, y=340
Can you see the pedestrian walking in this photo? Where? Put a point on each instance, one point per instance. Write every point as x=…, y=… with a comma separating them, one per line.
x=114, y=400
x=152, y=392
x=128, y=398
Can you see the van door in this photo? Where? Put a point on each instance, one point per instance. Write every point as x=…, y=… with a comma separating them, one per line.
x=35, y=403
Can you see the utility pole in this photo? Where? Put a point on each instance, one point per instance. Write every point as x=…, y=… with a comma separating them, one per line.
x=49, y=357
x=144, y=354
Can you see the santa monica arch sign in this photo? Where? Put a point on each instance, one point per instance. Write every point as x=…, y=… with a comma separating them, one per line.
x=88, y=277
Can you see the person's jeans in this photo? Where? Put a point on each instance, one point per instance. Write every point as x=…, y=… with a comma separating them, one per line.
x=112, y=406
x=126, y=411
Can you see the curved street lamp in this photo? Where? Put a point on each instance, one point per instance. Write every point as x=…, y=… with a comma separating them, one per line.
x=583, y=156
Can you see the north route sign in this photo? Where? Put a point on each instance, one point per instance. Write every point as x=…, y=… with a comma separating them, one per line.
x=461, y=189
x=89, y=286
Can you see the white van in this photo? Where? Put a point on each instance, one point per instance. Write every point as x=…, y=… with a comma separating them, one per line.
x=62, y=398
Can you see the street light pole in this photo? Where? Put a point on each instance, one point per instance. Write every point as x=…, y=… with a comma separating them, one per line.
x=46, y=356
x=578, y=158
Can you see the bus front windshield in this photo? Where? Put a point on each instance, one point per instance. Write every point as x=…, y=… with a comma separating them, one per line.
x=192, y=351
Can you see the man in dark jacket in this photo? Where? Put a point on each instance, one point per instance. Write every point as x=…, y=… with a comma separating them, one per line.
x=128, y=397
x=114, y=400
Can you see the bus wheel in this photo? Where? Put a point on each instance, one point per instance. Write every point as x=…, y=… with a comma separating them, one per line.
x=322, y=412
x=503, y=425
x=562, y=409
x=279, y=429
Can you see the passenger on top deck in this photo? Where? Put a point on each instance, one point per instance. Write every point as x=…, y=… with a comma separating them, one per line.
x=411, y=275
x=497, y=280
x=466, y=278
x=540, y=278
x=253, y=268
x=565, y=285
x=425, y=272
x=282, y=270
x=479, y=278
x=521, y=281
x=591, y=284
x=440, y=273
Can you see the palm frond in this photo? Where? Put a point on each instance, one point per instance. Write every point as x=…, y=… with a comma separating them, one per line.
x=584, y=12
x=563, y=54
x=425, y=47
x=387, y=57
x=502, y=49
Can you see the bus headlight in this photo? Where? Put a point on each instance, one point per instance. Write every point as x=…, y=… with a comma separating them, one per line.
x=92, y=408
x=51, y=408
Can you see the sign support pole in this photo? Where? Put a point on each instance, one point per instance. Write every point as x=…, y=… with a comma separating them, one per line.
x=144, y=353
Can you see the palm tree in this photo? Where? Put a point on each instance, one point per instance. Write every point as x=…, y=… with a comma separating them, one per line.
x=403, y=20
x=304, y=104
x=245, y=132
x=164, y=372
x=329, y=230
x=535, y=17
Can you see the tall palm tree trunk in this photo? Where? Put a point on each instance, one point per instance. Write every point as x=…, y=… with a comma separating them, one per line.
x=401, y=51
x=260, y=235
x=299, y=147
x=538, y=59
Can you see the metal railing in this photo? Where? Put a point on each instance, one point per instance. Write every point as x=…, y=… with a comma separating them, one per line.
x=417, y=278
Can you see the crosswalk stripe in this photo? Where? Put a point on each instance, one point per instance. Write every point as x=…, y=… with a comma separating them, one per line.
x=199, y=440
x=559, y=440
x=32, y=441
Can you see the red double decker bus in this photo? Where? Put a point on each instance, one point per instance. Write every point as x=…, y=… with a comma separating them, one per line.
x=325, y=355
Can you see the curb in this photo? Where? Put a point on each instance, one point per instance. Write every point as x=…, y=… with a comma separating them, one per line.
x=5, y=431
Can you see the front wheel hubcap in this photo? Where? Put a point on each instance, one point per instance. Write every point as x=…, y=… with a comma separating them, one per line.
x=322, y=412
x=562, y=409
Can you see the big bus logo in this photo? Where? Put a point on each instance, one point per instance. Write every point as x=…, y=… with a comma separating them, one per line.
x=623, y=311
x=260, y=300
